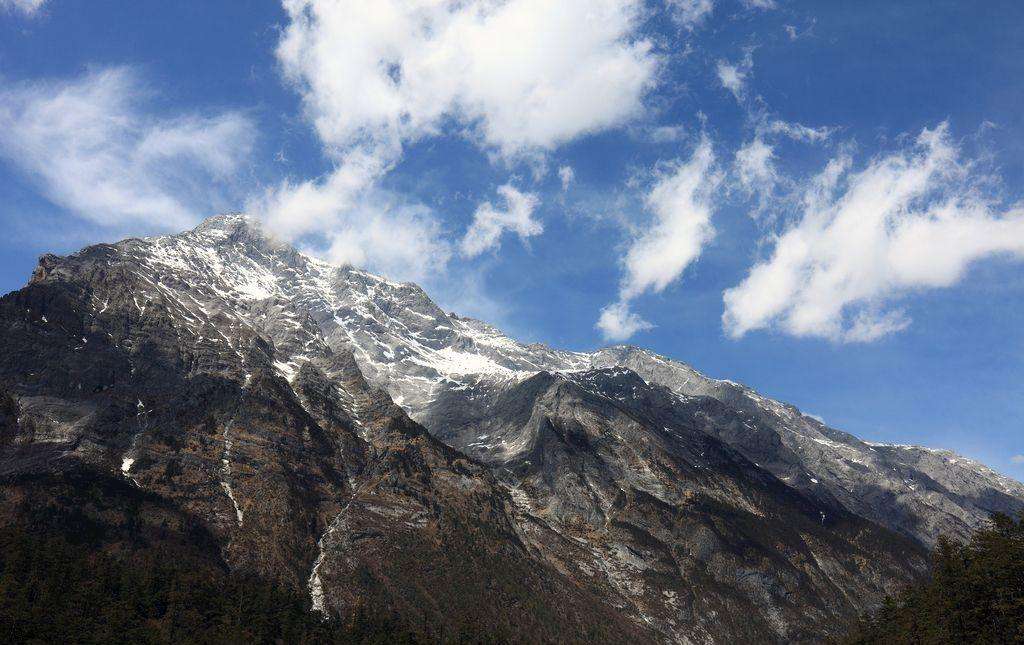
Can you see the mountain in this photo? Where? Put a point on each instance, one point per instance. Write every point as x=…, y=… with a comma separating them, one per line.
x=340, y=435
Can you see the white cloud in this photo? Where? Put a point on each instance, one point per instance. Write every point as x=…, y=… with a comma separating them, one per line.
x=795, y=33
x=668, y=134
x=914, y=219
x=690, y=13
x=360, y=225
x=733, y=76
x=489, y=223
x=759, y=4
x=799, y=132
x=754, y=167
x=566, y=175
x=618, y=323
x=27, y=7
x=681, y=204
x=1017, y=459
x=403, y=242
x=293, y=210
x=93, y=147
x=517, y=78
x=869, y=325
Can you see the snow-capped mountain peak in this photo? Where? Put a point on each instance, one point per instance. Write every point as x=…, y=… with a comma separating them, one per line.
x=228, y=279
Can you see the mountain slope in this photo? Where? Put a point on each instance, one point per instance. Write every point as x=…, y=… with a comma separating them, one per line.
x=407, y=345
x=113, y=373
x=684, y=527
x=917, y=491
x=615, y=495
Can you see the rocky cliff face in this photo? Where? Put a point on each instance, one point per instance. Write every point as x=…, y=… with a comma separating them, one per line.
x=341, y=434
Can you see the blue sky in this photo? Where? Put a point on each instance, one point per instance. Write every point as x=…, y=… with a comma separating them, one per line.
x=821, y=200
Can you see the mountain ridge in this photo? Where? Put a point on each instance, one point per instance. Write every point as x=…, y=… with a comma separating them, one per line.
x=338, y=431
x=498, y=358
x=404, y=343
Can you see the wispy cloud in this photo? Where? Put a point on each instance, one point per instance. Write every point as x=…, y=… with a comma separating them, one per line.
x=755, y=168
x=680, y=202
x=914, y=219
x=690, y=13
x=733, y=76
x=682, y=224
x=799, y=132
x=566, y=175
x=27, y=7
x=95, y=147
x=382, y=233
x=794, y=33
x=667, y=133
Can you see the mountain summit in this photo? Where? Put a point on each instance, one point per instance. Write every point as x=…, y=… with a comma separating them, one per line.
x=343, y=436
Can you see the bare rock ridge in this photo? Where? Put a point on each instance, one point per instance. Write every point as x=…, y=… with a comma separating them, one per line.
x=340, y=434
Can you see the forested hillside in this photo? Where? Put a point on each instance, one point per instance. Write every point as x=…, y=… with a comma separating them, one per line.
x=975, y=594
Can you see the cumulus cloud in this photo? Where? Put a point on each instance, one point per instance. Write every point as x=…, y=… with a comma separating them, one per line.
x=680, y=202
x=392, y=70
x=516, y=78
x=618, y=323
x=910, y=220
x=566, y=175
x=94, y=147
x=27, y=7
x=489, y=223
x=690, y=13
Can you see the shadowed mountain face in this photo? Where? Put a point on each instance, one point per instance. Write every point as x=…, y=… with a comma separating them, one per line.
x=341, y=435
